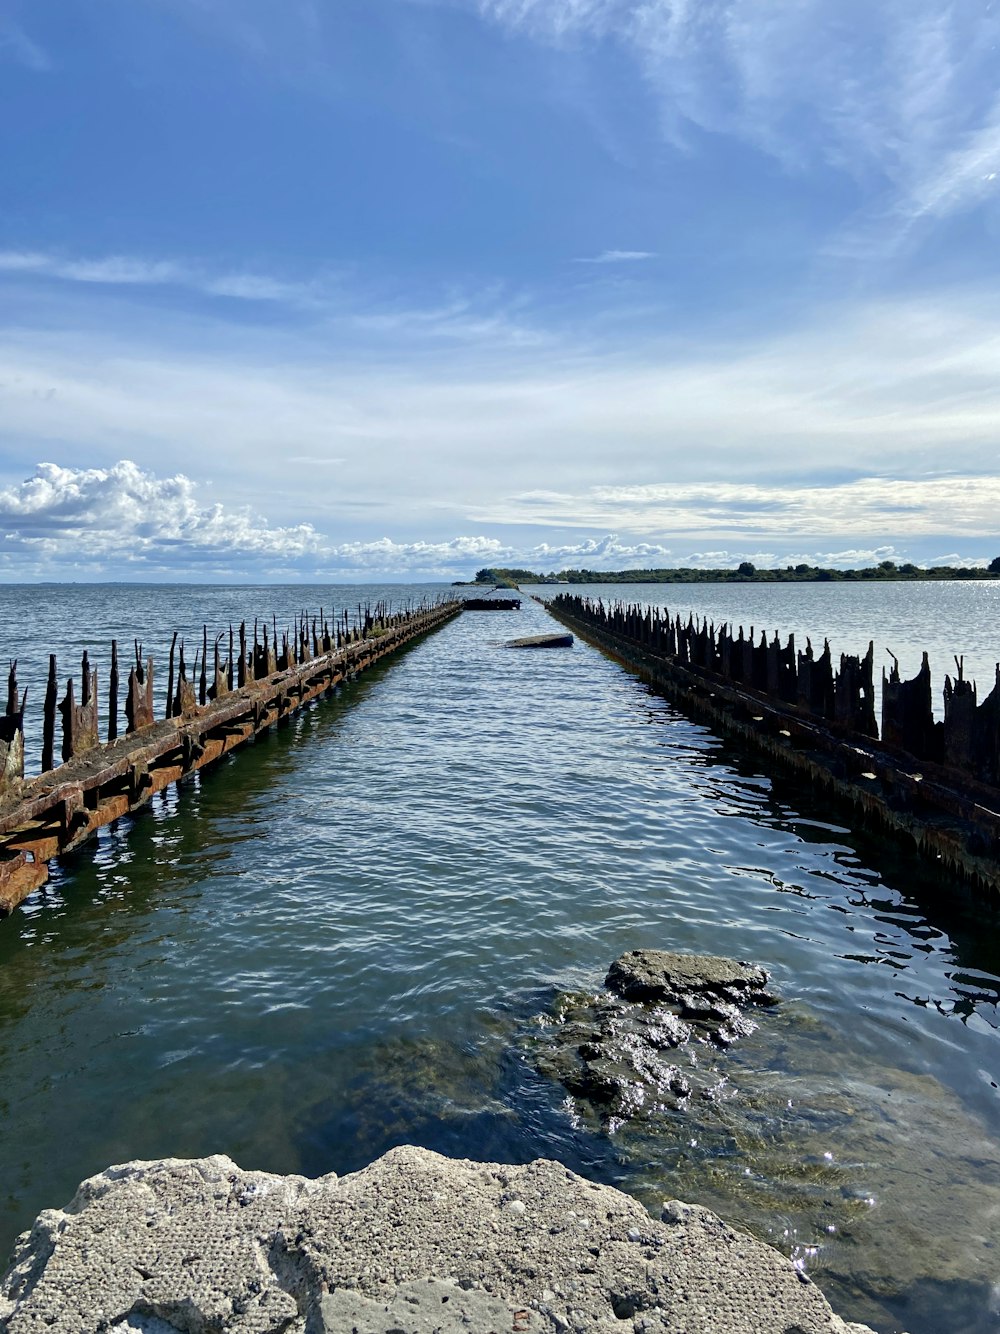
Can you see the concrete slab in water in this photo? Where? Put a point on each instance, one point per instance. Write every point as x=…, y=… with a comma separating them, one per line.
x=541, y=641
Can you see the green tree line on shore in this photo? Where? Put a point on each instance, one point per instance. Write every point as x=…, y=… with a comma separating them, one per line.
x=745, y=572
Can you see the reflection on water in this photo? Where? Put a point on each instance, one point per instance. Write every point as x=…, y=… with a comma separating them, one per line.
x=334, y=942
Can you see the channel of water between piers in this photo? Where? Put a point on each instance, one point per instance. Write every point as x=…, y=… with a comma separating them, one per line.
x=336, y=943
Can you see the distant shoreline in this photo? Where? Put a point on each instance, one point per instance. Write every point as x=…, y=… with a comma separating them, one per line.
x=746, y=573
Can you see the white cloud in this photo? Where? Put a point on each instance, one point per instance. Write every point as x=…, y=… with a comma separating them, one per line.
x=900, y=94
x=75, y=516
x=617, y=257
x=130, y=271
x=401, y=434
x=906, y=378
x=489, y=315
x=126, y=522
x=787, y=513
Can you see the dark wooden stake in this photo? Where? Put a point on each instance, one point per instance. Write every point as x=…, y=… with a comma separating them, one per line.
x=49, y=721
x=68, y=710
x=113, y=693
x=170, y=679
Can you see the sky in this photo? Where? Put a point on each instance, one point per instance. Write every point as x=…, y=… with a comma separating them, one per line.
x=337, y=290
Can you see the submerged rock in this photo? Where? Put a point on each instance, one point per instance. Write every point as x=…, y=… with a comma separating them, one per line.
x=415, y=1242
x=633, y=1051
x=688, y=980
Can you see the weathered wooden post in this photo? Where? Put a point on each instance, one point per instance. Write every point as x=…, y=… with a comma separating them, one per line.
x=49, y=718
x=782, y=682
x=113, y=693
x=68, y=709
x=908, y=713
x=203, y=679
x=139, y=699
x=241, y=677
x=854, y=693
x=80, y=720
x=185, y=704
x=220, y=676
x=987, y=734
x=960, y=731
x=12, y=737
x=758, y=677
x=170, y=679
x=12, y=689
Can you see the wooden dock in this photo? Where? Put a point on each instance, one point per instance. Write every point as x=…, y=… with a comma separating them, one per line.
x=99, y=783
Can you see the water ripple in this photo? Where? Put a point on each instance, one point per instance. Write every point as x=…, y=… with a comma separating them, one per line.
x=327, y=945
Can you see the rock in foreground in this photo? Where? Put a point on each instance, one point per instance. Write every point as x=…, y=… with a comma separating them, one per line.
x=415, y=1243
x=692, y=981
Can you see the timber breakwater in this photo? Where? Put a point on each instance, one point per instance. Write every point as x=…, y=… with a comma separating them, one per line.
x=935, y=783
x=208, y=712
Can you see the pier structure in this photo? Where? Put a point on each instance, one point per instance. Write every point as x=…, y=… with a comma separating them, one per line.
x=935, y=783
x=209, y=711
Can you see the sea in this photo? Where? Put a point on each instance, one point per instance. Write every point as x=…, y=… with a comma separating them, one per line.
x=356, y=933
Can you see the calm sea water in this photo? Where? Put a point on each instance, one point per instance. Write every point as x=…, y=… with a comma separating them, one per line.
x=338, y=941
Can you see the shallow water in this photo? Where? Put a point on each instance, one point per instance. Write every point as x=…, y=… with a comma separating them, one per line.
x=338, y=940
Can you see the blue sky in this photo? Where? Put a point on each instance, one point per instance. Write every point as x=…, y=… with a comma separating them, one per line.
x=337, y=289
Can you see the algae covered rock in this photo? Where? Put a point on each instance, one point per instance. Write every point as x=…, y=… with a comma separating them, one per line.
x=633, y=1050
x=692, y=981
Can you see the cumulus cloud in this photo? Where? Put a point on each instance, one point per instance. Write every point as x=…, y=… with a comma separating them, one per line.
x=126, y=522
x=75, y=517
